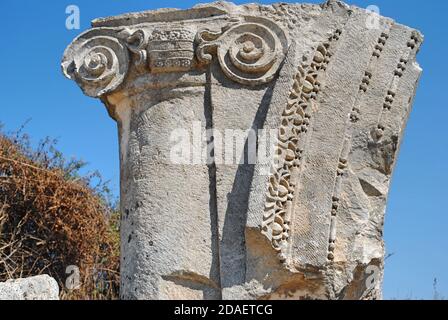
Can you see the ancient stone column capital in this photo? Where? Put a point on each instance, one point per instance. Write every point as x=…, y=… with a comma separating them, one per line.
x=299, y=216
x=117, y=52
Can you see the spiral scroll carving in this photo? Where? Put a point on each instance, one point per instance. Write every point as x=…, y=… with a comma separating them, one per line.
x=98, y=63
x=249, y=53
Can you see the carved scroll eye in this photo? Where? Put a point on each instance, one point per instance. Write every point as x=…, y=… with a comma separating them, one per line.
x=95, y=63
x=250, y=53
x=248, y=49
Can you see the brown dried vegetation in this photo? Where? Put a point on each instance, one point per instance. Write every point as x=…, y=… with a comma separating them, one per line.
x=52, y=218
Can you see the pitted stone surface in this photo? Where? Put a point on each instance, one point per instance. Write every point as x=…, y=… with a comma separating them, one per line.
x=35, y=288
x=334, y=83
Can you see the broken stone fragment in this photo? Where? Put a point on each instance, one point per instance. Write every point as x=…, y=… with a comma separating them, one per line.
x=35, y=288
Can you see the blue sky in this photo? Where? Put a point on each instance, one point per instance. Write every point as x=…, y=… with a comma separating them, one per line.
x=32, y=86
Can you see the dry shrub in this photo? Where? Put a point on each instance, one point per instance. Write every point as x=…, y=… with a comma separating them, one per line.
x=51, y=218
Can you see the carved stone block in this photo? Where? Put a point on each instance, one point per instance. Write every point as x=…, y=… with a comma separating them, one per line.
x=299, y=216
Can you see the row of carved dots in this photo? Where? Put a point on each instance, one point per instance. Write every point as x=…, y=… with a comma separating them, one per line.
x=389, y=100
x=365, y=81
x=376, y=53
x=401, y=67
x=354, y=115
x=337, y=34
x=398, y=72
x=413, y=42
x=380, y=45
x=332, y=239
x=342, y=165
x=331, y=245
x=390, y=96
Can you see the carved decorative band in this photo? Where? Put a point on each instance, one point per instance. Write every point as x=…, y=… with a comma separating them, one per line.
x=171, y=50
x=412, y=47
x=288, y=153
x=354, y=117
x=249, y=52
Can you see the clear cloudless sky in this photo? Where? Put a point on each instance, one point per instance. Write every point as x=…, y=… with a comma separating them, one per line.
x=32, y=87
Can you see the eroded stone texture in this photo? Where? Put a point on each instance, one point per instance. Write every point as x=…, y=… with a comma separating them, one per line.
x=35, y=288
x=334, y=83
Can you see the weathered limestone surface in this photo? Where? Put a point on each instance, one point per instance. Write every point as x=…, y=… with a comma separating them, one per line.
x=35, y=288
x=334, y=83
